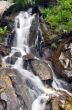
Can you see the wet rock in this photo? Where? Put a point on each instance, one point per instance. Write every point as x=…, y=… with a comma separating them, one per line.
x=36, y=9
x=33, y=30
x=29, y=56
x=27, y=61
x=42, y=70
x=4, y=6
x=15, y=91
x=67, y=75
x=4, y=50
x=10, y=38
x=17, y=54
x=11, y=60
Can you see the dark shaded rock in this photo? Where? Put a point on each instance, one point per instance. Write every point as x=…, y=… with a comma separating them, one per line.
x=4, y=6
x=4, y=50
x=36, y=9
x=42, y=70
x=36, y=38
x=10, y=38
x=33, y=30
x=11, y=60
x=67, y=75
x=29, y=56
x=27, y=60
x=3, y=104
x=17, y=54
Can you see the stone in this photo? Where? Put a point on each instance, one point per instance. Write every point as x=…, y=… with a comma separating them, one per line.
x=4, y=6
x=28, y=56
x=18, y=94
x=67, y=75
x=33, y=30
x=17, y=54
x=4, y=50
x=41, y=69
x=11, y=60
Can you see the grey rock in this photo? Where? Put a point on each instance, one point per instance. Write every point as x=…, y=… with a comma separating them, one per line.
x=67, y=75
x=4, y=50
x=19, y=95
x=17, y=54
x=11, y=60
x=41, y=69
x=4, y=6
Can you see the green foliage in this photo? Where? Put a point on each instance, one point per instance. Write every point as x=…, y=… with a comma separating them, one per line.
x=3, y=30
x=22, y=3
x=53, y=45
x=3, y=33
x=59, y=16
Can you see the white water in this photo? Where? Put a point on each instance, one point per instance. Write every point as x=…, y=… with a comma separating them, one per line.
x=22, y=26
x=22, y=32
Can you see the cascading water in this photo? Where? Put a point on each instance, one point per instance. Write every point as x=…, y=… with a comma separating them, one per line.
x=22, y=26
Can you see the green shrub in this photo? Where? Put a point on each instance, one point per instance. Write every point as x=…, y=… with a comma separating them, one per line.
x=59, y=16
x=3, y=33
x=53, y=45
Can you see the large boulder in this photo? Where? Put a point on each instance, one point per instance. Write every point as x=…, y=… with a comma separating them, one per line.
x=42, y=70
x=28, y=56
x=4, y=6
x=13, y=91
x=17, y=54
x=11, y=60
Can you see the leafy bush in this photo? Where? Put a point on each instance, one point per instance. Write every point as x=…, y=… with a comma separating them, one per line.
x=53, y=45
x=59, y=16
x=3, y=33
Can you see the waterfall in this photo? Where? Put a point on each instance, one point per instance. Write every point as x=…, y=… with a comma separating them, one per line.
x=22, y=27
